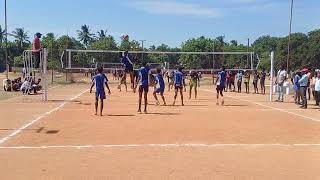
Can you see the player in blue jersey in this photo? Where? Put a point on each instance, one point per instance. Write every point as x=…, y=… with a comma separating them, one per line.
x=178, y=84
x=128, y=67
x=160, y=86
x=143, y=79
x=220, y=82
x=100, y=80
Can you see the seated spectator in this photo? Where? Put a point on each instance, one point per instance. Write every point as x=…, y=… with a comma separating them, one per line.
x=25, y=87
x=36, y=86
x=7, y=85
x=16, y=84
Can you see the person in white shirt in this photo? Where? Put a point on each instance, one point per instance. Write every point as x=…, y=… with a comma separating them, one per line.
x=317, y=89
x=25, y=86
x=281, y=78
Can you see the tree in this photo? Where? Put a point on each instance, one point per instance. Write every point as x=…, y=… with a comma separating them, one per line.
x=200, y=44
x=313, y=45
x=21, y=37
x=102, y=34
x=2, y=36
x=298, y=52
x=85, y=35
x=106, y=43
x=234, y=43
x=49, y=42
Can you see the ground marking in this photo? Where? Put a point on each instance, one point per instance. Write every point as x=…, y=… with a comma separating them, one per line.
x=3, y=140
x=163, y=146
x=278, y=109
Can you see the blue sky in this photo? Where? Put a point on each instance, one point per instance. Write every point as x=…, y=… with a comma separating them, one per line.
x=164, y=21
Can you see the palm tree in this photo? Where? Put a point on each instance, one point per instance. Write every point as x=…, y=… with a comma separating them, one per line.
x=21, y=36
x=102, y=33
x=84, y=35
x=2, y=34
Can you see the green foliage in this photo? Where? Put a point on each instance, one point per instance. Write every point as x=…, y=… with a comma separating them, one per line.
x=85, y=35
x=103, y=43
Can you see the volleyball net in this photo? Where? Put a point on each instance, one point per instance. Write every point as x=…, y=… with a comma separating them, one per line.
x=79, y=60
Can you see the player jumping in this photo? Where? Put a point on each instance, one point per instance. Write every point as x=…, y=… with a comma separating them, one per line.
x=128, y=67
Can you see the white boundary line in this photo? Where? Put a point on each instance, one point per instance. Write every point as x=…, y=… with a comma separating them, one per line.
x=3, y=140
x=163, y=146
x=278, y=109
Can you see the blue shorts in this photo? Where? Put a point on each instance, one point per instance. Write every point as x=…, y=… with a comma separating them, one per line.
x=220, y=88
x=100, y=95
x=128, y=68
x=178, y=86
x=159, y=90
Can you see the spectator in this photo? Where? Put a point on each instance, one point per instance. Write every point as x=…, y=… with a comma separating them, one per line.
x=281, y=77
x=36, y=49
x=303, y=88
x=317, y=89
x=239, y=80
x=309, y=74
x=312, y=85
x=256, y=78
x=246, y=81
x=296, y=88
x=263, y=81
x=24, y=72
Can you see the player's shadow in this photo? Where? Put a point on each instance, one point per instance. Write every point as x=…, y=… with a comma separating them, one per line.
x=52, y=132
x=164, y=114
x=85, y=104
x=120, y=115
x=195, y=105
x=63, y=100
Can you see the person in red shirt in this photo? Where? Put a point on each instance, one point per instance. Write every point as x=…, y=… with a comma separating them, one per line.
x=36, y=49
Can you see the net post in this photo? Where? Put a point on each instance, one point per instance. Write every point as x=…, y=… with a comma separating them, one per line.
x=69, y=59
x=252, y=67
x=271, y=75
x=44, y=76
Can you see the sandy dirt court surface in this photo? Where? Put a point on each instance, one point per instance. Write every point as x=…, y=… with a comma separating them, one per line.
x=248, y=138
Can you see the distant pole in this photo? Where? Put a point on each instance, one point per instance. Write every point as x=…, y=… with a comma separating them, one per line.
x=213, y=60
x=289, y=40
x=271, y=75
x=6, y=38
x=142, y=43
x=248, y=53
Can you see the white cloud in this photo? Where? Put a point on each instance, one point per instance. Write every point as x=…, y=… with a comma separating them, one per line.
x=176, y=8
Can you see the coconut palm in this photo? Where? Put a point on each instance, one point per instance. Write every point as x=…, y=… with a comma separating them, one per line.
x=84, y=35
x=102, y=33
x=21, y=36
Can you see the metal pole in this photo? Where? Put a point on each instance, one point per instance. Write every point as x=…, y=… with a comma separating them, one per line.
x=251, y=56
x=44, y=75
x=142, y=43
x=213, y=60
x=6, y=38
x=248, y=53
x=271, y=75
x=289, y=40
x=69, y=59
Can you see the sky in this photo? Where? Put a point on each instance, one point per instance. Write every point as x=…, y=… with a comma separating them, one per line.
x=164, y=21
